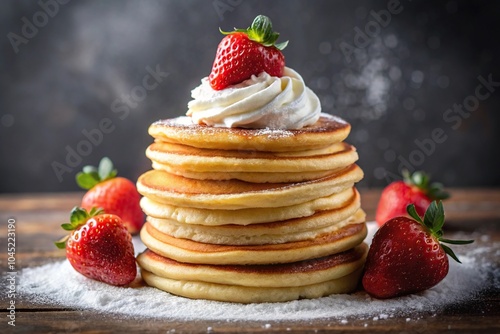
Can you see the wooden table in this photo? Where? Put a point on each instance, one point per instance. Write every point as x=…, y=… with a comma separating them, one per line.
x=38, y=217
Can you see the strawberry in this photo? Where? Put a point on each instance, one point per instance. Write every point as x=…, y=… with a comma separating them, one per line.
x=116, y=195
x=406, y=255
x=99, y=247
x=414, y=189
x=246, y=52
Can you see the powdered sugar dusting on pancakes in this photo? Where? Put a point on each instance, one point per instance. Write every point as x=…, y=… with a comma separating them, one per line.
x=186, y=126
x=186, y=121
x=179, y=121
x=274, y=133
x=333, y=118
x=43, y=285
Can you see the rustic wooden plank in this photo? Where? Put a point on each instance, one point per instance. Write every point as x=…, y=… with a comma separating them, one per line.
x=41, y=202
x=69, y=321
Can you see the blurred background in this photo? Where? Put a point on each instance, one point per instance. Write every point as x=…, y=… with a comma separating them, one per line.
x=418, y=80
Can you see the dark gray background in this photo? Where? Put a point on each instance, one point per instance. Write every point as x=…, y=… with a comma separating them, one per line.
x=395, y=90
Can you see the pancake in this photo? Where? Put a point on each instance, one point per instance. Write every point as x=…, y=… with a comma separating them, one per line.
x=247, y=294
x=181, y=130
x=172, y=189
x=189, y=251
x=279, y=275
x=259, y=234
x=269, y=233
x=191, y=159
x=258, y=167
x=216, y=217
x=247, y=176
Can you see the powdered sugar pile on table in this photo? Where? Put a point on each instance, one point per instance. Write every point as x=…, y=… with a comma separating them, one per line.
x=58, y=284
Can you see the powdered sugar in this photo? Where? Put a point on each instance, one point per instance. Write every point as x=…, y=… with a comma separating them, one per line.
x=58, y=284
x=179, y=121
x=333, y=118
x=274, y=133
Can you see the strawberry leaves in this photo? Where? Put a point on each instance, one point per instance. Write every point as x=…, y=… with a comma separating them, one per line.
x=434, y=221
x=422, y=181
x=90, y=175
x=434, y=218
x=435, y=191
x=261, y=31
x=61, y=243
x=78, y=217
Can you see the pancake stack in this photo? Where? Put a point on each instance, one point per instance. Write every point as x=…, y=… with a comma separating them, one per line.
x=252, y=215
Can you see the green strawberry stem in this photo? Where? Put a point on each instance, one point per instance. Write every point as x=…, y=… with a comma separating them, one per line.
x=77, y=218
x=422, y=181
x=261, y=31
x=434, y=221
x=90, y=176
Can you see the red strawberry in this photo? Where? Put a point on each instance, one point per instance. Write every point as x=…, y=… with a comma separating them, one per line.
x=246, y=52
x=99, y=247
x=406, y=255
x=116, y=195
x=415, y=189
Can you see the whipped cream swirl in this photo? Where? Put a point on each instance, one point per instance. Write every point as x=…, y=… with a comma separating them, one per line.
x=262, y=101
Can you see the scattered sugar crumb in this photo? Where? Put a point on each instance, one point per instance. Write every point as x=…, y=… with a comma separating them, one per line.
x=485, y=238
x=41, y=285
x=273, y=133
